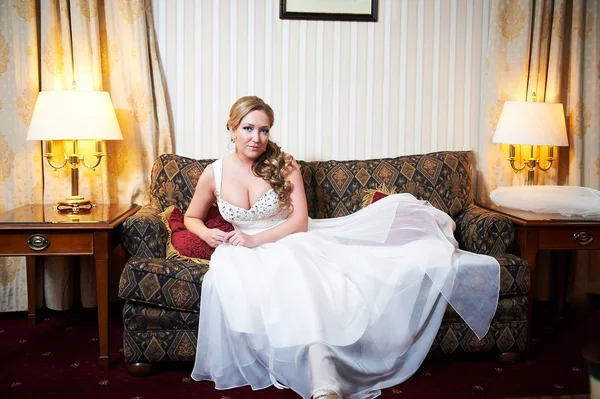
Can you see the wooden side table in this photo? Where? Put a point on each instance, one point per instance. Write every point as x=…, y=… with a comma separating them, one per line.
x=553, y=232
x=39, y=230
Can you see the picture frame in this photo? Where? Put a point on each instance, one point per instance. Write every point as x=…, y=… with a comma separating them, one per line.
x=329, y=10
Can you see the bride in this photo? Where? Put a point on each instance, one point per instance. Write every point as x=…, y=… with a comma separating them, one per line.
x=329, y=308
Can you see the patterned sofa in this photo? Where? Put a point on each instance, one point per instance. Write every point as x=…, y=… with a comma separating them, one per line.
x=162, y=296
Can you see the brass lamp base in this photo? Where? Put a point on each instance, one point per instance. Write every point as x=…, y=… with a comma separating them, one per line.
x=75, y=204
x=531, y=163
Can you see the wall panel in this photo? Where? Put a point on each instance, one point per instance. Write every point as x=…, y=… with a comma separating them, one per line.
x=409, y=83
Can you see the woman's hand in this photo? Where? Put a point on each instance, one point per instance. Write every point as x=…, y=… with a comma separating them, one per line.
x=215, y=237
x=238, y=238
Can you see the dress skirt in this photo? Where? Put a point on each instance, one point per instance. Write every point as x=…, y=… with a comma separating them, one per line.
x=352, y=305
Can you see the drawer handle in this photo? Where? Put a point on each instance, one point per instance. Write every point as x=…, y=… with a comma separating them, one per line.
x=38, y=242
x=583, y=237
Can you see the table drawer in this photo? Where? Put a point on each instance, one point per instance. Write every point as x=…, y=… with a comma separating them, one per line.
x=33, y=243
x=569, y=238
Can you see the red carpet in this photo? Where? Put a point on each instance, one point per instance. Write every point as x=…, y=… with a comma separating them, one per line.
x=58, y=359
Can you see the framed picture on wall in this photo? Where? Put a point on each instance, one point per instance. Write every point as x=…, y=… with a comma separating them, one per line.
x=330, y=10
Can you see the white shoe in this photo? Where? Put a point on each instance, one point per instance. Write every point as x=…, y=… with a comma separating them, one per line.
x=324, y=393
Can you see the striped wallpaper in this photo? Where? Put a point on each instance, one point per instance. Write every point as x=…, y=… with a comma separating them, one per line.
x=409, y=83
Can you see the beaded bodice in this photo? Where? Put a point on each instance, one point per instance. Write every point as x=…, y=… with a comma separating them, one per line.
x=265, y=213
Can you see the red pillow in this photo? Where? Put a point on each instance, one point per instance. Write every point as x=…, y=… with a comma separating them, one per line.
x=188, y=244
x=377, y=196
x=371, y=196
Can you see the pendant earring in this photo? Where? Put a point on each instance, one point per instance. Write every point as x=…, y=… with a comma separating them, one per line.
x=231, y=144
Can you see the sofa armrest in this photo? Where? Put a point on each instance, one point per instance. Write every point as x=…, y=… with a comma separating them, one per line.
x=483, y=231
x=144, y=234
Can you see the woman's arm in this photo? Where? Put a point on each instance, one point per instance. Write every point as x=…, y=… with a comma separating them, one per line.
x=296, y=222
x=196, y=214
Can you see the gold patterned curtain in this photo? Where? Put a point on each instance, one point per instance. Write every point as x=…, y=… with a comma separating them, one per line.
x=550, y=48
x=20, y=166
x=96, y=45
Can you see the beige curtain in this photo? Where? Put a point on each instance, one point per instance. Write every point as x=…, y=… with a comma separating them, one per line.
x=546, y=48
x=20, y=166
x=89, y=45
x=581, y=93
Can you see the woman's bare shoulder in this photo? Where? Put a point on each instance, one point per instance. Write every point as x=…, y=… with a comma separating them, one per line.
x=207, y=178
x=208, y=172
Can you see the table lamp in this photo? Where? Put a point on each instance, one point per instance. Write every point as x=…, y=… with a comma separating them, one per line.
x=531, y=123
x=74, y=115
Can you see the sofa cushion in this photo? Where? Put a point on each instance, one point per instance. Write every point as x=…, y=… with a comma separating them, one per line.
x=176, y=285
x=168, y=283
x=442, y=178
x=185, y=245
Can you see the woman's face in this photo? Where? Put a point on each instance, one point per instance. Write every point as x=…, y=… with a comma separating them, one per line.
x=252, y=135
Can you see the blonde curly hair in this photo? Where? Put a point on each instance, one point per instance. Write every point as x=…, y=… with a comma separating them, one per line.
x=273, y=165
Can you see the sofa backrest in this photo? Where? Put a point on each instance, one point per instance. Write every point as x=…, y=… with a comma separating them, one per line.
x=174, y=179
x=336, y=188
x=442, y=178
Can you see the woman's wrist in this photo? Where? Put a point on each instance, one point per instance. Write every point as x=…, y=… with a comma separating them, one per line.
x=254, y=239
x=205, y=234
x=197, y=227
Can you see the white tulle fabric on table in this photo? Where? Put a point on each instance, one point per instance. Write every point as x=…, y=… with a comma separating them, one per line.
x=564, y=200
x=352, y=305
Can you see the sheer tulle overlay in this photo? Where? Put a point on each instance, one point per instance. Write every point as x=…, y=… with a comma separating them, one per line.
x=566, y=200
x=351, y=305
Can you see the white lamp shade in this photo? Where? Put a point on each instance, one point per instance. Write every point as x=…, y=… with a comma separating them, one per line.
x=74, y=115
x=531, y=123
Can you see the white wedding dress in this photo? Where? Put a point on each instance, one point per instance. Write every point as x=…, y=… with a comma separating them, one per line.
x=352, y=305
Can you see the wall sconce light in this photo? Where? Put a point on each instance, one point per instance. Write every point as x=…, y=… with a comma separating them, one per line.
x=531, y=123
x=74, y=115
